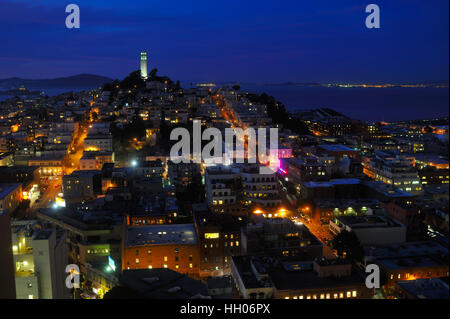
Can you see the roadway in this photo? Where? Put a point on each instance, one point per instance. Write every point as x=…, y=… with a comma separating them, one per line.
x=53, y=187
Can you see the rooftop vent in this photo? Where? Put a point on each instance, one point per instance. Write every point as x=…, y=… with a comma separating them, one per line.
x=150, y=280
x=174, y=289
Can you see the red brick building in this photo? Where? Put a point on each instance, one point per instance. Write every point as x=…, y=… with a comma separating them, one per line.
x=161, y=246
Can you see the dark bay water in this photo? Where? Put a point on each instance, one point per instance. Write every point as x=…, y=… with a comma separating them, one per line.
x=377, y=104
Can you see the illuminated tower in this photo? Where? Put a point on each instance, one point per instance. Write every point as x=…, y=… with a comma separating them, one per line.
x=144, y=65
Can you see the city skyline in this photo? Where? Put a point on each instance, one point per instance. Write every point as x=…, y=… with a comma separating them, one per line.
x=239, y=155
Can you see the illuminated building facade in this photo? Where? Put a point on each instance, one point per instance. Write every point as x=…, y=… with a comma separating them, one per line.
x=397, y=172
x=6, y=158
x=321, y=279
x=265, y=277
x=101, y=143
x=259, y=190
x=219, y=238
x=48, y=166
x=95, y=159
x=82, y=184
x=412, y=268
x=40, y=258
x=10, y=196
x=221, y=188
x=280, y=238
x=161, y=246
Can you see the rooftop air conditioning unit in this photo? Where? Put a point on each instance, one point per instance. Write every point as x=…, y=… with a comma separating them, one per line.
x=174, y=289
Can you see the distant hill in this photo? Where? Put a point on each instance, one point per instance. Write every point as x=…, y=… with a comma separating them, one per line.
x=80, y=81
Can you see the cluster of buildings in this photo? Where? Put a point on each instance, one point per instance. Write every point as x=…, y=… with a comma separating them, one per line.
x=133, y=220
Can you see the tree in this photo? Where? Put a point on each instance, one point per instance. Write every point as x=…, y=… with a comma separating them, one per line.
x=133, y=81
x=192, y=193
x=24, y=204
x=347, y=244
x=236, y=87
x=152, y=73
x=277, y=111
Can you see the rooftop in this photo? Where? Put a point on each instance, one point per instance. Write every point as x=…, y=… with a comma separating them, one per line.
x=7, y=188
x=417, y=248
x=433, y=288
x=335, y=148
x=157, y=284
x=160, y=235
x=85, y=172
x=308, y=279
x=333, y=182
x=409, y=262
x=368, y=221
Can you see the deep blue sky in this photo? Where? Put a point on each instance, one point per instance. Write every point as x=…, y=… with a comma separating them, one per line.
x=232, y=40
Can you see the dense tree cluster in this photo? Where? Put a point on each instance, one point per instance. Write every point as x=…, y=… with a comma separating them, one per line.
x=277, y=111
x=347, y=244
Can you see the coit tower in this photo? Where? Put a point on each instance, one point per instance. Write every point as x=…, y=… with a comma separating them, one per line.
x=144, y=65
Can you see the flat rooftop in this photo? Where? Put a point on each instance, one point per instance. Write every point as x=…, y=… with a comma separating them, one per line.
x=333, y=182
x=431, y=158
x=183, y=234
x=368, y=221
x=160, y=284
x=85, y=172
x=243, y=265
x=308, y=279
x=417, y=248
x=98, y=137
x=335, y=147
x=7, y=188
x=94, y=154
x=409, y=262
x=433, y=288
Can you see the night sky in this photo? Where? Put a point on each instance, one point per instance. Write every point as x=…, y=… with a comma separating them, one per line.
x=245, y=40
